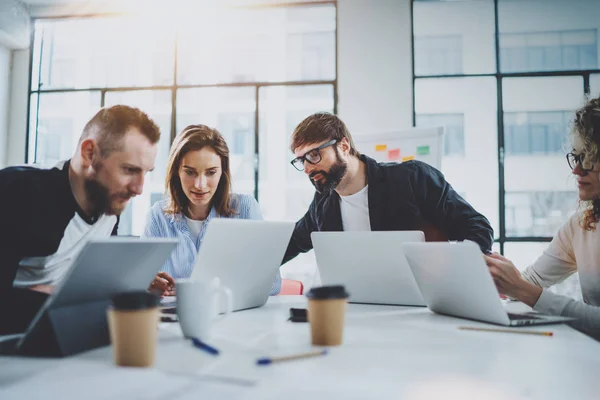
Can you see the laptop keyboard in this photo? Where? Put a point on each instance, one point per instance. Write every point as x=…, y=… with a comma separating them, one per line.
x=516, y=317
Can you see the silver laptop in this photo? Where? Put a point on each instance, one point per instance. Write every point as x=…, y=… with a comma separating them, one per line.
x=455, y=280
x=245, y=255
x=371, y=265
x=73, y=318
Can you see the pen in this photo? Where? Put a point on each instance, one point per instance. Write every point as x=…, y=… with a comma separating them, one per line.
x=203, y=346
x=540, y=333
x=271, y=360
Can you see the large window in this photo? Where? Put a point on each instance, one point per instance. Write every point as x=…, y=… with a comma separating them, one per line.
x=56, y=126
x=450, y=37
x=535, y=142
x=253, y=73
x=470, y=135
x=519, y=86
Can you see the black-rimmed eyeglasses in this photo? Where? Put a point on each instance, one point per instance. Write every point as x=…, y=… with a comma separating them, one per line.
x=312, y=156
x=574, y=159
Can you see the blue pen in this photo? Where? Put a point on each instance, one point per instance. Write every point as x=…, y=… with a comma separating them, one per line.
x=203, y=346
x=271, y=360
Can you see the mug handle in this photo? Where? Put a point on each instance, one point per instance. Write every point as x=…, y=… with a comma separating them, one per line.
x=227, y=295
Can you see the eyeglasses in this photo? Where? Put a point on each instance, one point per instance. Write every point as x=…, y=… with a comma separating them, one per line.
x=574, y=159
x=312, y=156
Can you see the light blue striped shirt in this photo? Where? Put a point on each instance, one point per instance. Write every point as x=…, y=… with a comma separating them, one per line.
x=181, y=262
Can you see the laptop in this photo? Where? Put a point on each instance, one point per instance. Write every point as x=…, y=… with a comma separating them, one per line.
x=371, y=265
x=455, y=280
x=73, y=318
x=245, y=255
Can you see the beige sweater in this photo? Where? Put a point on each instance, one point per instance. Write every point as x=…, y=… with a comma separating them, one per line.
x=573, y=249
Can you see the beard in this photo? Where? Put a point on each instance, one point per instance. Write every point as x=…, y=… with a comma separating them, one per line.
x=330, y=180
x=98, y=195
x=102, y=200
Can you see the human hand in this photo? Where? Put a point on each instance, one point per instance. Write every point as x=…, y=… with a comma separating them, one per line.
x=163, y=284
x=509, y=281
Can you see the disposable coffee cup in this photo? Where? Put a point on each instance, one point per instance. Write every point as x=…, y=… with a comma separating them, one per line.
x=132, y=321
x=326, y=311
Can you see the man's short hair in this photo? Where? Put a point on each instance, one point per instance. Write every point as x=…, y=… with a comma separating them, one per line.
x=320, y=127
x=110, y=124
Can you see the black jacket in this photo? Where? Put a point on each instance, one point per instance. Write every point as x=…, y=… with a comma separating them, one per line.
x=407, y=196
x=36, y=206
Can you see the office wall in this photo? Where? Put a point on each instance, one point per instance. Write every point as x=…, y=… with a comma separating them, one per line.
x=5, y=64
x=374, y=65
x=374, y=71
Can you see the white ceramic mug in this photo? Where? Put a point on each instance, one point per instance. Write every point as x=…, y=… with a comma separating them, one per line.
x=198, y=306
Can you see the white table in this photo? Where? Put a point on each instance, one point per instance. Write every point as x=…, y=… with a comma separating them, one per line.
x=388, y=353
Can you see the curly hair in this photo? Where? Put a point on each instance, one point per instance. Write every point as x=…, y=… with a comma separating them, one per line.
x=586, y=131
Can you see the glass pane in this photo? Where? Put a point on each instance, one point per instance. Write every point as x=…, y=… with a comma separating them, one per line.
x=536, y=132
x=454, y=37
x=537, y=119
x=260, y=44
x=284, y=192
x=496, y=247
x=232, y=112
x=474, y=173
x=60, y=122
x=157, y=104
x=525, y=254
x=102, y=52
x=554, y=36
x=594, y=85
x=36, y=53
x=454, y=131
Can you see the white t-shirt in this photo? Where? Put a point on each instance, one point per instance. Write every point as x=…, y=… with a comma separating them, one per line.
x=51, y=269
x=195, y=226
x=355, y=211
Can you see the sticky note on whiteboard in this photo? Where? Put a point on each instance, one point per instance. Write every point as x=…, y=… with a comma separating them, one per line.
x=394, y=154
x=423, y=150
x=380, y=147
x=408, y=158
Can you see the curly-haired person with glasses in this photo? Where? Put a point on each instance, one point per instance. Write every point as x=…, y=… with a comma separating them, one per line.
x=576, y=246
x=356, y=193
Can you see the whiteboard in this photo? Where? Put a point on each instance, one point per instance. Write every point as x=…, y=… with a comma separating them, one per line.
x=423, y=144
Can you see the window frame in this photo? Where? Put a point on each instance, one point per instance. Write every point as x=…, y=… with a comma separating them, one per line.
x=34, y=107
x=499, y=76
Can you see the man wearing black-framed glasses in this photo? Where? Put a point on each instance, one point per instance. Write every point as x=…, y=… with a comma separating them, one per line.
x=355, y=192
x=322, y=180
